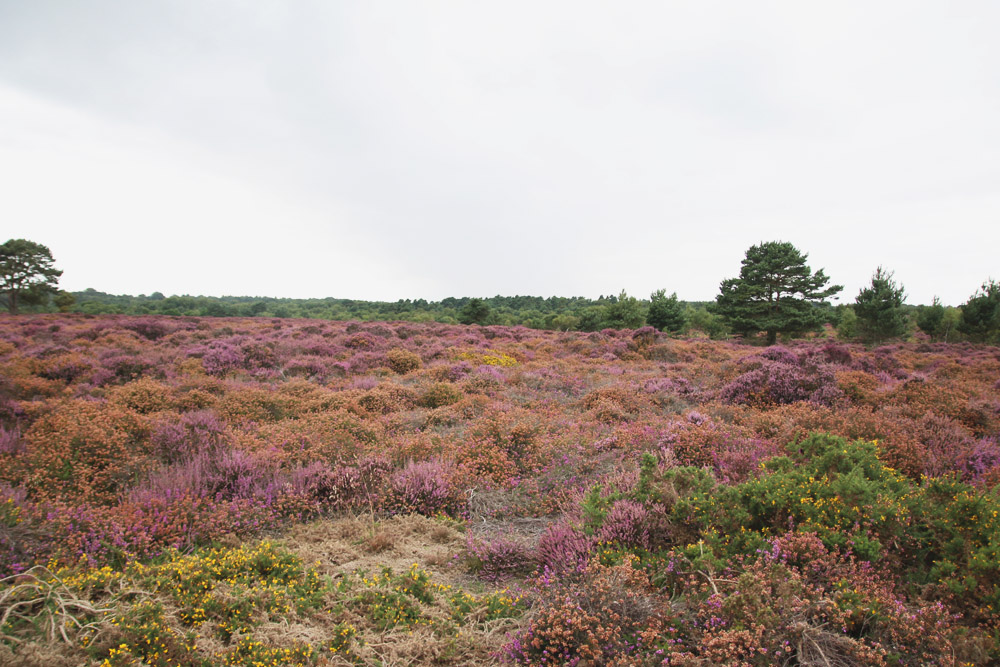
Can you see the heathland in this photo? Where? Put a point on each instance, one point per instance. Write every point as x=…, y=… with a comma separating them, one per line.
x=257, y=491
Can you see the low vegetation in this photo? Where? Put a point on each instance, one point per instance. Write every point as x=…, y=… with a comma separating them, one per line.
x=201, y=491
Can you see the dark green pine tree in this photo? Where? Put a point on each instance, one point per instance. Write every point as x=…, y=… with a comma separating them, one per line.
x=665, y=312
x=981, y=314
x=776, y=292
x=625, y=312
x=930, y=319
x=475, y=311
x=27, y=274
x=879, y=308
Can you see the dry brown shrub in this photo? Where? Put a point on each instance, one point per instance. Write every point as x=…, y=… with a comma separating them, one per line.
x=402, y=361
x=335, y=435
x=625, y=399
x=144, y=396
x=819, y=647
x=440, y=394
x=253, y=404
x=387, y=398
x=860, y=387
x=196, y=399
x=23, y=384
x=379, y=542
x=103, y=442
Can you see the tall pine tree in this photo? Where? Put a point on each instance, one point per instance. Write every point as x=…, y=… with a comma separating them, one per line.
x=776, y=292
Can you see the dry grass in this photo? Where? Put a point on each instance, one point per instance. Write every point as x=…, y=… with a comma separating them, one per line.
x=337, y=548
x=40, y=600
x=41, y=655
x=344, y=545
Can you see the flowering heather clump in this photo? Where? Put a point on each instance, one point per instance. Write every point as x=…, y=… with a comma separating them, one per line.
x=644, y=337
x=150, y=328
x=499, y=558
x=223, y=475
x=739, y=459
x=776, y=378
x=981, y=462
x=21, y=542
x=671, y=393
x=119, y=369
x=626, y=524
x=780, y=354
x=10, y=441
x=696, y=418
x=358, y=485
x=455, y=372
x=837, y=354
x=237, y=474
x=306, y=367
x=564, y=549
x=606, y=615
x=425, y=488
x=195, y=433
x=224, y=357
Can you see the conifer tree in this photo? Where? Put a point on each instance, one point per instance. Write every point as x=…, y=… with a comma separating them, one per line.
x=879, y=308
x=776, y=292
x=981, y=314
x=665, y=312
x=26, y=273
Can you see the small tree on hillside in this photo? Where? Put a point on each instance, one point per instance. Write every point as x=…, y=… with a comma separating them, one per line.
x=776, y=292
x=592, y=318
x=475, y=311
x=700, y=318
x=847, y=322
x=930, y=319
x=879, y=308
x=26, y=273
x=625, y=313
x=64, y=301
x=665, y=312
x=981, y=314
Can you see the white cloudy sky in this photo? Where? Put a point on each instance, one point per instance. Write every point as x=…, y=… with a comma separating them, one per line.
x=398, y=149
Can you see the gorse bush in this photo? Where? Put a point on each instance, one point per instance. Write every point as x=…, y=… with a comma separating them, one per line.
x=755, y=591
x=942, y=534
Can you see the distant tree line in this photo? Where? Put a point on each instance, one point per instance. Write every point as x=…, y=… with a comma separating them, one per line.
x=620, y=311
x=776, y=294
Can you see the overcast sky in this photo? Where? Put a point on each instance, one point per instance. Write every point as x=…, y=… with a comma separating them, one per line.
x=387, y=150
